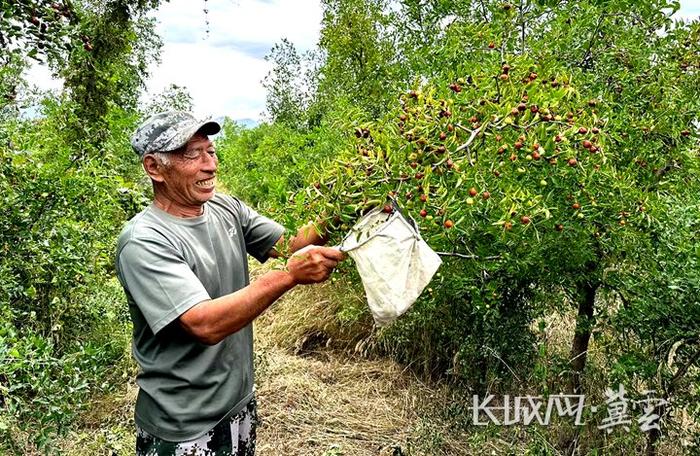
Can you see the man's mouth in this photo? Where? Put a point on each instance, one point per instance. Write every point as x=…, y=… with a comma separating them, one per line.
x=206, y=183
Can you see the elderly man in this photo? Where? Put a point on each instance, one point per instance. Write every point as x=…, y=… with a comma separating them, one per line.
x=182, y=262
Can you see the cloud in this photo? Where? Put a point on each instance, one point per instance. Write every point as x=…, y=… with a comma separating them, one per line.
x=41, y=77
x=252, y=21
x=220, y=81
x=689, y=10
x=252, y=49
x=178, y=34
x=223, y=69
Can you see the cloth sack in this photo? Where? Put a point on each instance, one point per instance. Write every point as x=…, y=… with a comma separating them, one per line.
x=394, y=262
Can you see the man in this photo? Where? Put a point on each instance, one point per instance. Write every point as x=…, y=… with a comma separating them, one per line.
x=182, y=262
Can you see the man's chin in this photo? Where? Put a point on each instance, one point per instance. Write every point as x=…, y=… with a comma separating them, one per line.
x=206, y=194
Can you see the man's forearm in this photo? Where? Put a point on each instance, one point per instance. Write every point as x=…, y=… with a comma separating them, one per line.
x=211, y=321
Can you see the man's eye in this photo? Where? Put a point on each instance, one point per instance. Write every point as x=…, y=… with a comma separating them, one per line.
x=197, y=153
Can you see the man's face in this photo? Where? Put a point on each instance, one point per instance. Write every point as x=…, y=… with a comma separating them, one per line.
x=188, y=181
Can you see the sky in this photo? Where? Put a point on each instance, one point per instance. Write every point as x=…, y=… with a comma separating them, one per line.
x=223, y=70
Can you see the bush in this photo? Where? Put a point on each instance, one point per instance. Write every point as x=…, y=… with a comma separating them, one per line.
x=63, y=324
x=265, y=165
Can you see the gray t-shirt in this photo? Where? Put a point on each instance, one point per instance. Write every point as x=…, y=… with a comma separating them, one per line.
x=166, y=265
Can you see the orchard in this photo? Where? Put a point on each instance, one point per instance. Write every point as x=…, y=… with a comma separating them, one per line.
x=541, y=148
x=514, y=169
x=548, y=150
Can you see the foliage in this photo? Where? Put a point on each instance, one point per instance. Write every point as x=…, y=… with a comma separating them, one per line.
x=290, y=86
x=264, y=164
x=82, y=42
x=548, y=149
x=41, y=31
x=658, y=309
x=542, y=146
x=57, y=241
x=171, y=98
x=68, y=181
x=358, y=67
x=606, y=228
x=110, y=69
x=45, y=387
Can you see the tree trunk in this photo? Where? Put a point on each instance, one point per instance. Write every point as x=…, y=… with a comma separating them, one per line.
x=582, y=335
x=661, y=410
x=568, y=441
x=653, y=437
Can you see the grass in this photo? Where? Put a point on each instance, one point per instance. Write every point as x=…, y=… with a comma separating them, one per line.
x=316, y=393
x=323, y=390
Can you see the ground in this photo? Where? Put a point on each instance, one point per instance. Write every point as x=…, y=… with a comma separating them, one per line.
x=317, y=394
x=325, y=403
x=323, y=390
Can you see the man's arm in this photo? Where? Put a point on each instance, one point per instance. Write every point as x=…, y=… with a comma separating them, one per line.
x=213, y=320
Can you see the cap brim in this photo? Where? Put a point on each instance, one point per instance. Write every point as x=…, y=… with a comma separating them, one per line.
x=208, y=128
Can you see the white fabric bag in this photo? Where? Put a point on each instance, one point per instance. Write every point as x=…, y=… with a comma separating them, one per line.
x=394, y=262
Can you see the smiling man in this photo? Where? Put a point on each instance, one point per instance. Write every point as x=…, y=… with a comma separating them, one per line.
x=183, y=265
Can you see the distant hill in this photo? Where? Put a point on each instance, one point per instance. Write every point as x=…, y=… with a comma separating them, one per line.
x=245, y=123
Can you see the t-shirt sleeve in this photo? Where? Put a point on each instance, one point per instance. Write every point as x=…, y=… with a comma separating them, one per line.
x=260, y=233
x=159, y=281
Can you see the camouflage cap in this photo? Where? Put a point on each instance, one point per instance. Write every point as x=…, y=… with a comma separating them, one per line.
x=168, y=131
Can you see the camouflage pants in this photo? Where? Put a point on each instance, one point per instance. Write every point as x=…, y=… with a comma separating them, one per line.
x=232, y=437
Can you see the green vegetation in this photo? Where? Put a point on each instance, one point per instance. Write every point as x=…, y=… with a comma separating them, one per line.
x=68, y=182
x=549, y=149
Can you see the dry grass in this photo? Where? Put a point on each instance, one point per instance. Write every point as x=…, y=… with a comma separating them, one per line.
x=332, y=314
x=318, y=396
x=107, y=429
x=330, y=403
x=319, y=393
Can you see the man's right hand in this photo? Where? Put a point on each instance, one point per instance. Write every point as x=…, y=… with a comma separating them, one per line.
x=313, y=264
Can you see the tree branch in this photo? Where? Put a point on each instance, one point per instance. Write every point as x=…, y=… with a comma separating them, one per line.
x=468, y=143
x=587, y=54
x=522, y=28
x=468, y=257
x=683, y=369
x=669, y=166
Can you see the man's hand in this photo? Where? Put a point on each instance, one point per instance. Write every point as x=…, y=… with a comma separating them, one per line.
x=313, y=264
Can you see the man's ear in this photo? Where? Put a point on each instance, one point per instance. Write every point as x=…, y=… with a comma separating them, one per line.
x=153, y=168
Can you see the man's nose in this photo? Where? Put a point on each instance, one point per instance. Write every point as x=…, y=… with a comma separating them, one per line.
x=210, y=163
